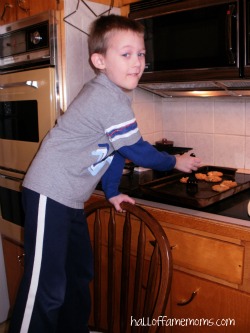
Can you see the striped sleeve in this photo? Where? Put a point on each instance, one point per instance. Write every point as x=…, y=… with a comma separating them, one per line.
x=124, y=131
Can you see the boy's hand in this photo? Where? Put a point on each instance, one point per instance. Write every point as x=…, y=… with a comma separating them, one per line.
x=187, y=163
x=118, y=199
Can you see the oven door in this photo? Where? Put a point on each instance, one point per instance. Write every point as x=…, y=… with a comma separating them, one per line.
x=10, y=197
x=28, y=110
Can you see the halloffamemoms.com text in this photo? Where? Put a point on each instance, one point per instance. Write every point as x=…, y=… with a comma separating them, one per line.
x=165, y=321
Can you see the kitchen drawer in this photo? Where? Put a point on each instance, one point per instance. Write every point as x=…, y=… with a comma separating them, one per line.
x=206, y=307
x=220, y=259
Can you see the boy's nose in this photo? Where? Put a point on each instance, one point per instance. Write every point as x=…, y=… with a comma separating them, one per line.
x=138, y=61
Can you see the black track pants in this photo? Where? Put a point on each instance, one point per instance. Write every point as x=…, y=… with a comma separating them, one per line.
x=54, y=294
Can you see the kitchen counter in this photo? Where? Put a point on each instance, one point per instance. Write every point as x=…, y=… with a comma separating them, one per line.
x=230, y=210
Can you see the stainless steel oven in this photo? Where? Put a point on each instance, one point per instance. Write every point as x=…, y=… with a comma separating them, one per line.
x=29, y=107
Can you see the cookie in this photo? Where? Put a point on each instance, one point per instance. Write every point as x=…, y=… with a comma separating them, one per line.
x=200, y=176
x=215, y=173
x=220, y=188
x=184, y=180
x=229, y=183
x=213, y=179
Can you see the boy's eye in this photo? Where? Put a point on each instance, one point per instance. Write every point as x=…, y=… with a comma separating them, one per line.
x=141, y=54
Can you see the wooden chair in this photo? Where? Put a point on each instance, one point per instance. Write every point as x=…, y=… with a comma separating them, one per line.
x=132, y=269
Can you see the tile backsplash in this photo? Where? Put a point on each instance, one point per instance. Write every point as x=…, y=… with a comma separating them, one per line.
x=217, y=128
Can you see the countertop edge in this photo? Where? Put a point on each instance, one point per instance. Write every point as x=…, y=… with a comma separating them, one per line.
x=189, y=211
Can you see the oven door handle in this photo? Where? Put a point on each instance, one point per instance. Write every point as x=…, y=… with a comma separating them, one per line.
x=33, y=84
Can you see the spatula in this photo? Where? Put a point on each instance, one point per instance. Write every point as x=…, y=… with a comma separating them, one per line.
x=192, y=183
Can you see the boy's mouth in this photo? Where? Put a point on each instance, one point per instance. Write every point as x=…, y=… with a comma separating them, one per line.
x=134, y=74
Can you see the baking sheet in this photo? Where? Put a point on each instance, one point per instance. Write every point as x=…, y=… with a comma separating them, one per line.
x=171, y=190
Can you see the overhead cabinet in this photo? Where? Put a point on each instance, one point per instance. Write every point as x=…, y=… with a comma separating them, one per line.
x=13, y=10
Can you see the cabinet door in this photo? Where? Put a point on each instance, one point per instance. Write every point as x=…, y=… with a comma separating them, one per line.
x=22, y=8
x=8, y=11
x=13, y=10
x=203, y=306
x=37, y=7
x=13, y=257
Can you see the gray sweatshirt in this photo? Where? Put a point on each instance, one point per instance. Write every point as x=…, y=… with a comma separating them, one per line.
x=78, y=150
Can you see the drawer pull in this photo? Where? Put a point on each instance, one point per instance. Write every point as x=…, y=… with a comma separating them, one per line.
x=186, y=302
x=20, y=259
x=171, y=247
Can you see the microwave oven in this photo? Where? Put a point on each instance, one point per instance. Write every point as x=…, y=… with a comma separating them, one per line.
x=196, y=41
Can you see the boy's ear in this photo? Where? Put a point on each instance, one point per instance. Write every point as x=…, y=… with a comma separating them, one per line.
x=98, y=60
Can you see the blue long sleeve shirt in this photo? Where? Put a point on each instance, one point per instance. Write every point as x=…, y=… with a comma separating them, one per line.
x=141, y=153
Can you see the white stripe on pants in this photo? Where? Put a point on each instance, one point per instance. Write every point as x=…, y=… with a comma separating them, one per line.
x=37, y=265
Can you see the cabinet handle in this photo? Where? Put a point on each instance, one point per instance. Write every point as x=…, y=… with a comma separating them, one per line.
x=20, y=259
x=186, y=302
x=171, y=246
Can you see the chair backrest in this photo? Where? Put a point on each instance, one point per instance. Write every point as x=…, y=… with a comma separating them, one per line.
x=132, y=268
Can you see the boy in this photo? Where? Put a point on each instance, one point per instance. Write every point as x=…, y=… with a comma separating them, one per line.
x=90, y=142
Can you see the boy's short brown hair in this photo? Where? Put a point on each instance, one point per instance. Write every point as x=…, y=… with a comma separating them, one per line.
x=102, y=27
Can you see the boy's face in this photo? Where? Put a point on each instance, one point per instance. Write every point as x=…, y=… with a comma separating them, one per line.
x=124, y=61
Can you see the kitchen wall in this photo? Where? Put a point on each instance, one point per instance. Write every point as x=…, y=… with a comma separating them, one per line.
x=78, y=70
x=217, y=128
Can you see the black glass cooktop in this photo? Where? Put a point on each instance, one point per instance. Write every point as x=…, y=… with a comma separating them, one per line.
x=235, y=206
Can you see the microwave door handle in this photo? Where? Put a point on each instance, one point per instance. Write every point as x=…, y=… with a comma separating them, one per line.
x=33, y=84
x=230, y=13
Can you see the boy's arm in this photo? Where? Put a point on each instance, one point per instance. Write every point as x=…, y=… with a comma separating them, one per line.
x=112, y=177
x=111, y=181
x=141, y=153
x=144, y=154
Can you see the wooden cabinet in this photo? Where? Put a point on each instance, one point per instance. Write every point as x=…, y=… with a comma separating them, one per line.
x=13, y=10
x=201, y=306
x=8, y=12
x=211, y=267
x=37, y=7
x=211, y=281
x=117, y=3
x=122, y=4
x=14, y=260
